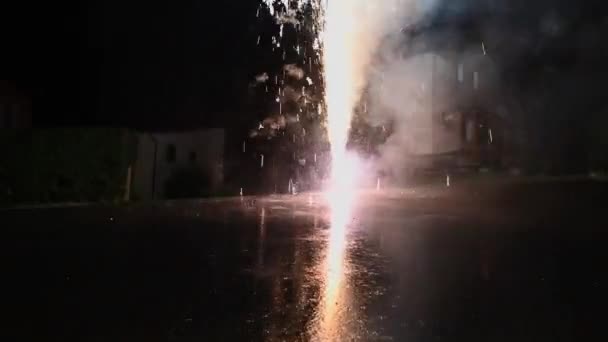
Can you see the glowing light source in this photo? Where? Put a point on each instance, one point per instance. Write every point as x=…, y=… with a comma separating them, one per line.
x=339, y=70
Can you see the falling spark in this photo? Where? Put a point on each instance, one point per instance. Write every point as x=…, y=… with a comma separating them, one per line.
x=447, y=180
x=483, y=48
x=309, y=80
x=244, y=146
x=490, y=135
x=261, y=126
x=281, y=31
x=262, y=161
x=241, y=192
x=259, y=37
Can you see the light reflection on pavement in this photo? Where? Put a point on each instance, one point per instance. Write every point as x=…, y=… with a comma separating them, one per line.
x=390, y=267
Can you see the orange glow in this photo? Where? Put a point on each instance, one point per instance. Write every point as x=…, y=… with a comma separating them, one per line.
x=341, y=91
x=332, y=319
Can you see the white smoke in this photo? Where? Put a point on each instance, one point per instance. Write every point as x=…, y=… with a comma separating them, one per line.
x=294, y=71
x=262, y=78
x=418, y=83
x=356, y=33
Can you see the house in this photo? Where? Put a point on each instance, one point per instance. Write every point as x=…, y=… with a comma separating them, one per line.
x=179, y=164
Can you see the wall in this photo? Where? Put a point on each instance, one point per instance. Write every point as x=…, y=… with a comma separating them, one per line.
x=64, y=165
x=207, y=144
x=15, y=107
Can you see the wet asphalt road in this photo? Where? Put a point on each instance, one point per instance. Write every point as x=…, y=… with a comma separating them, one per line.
x=510, y=262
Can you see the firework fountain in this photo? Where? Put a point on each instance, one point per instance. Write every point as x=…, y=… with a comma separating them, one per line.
x=346, y=34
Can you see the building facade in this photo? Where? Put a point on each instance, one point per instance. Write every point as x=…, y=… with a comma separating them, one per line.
x=164, y=158
x=15, y=107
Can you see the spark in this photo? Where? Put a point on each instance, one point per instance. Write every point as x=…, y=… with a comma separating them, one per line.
x=490, y=135
x=261, y=161
x=270, y=6
x=483, y=48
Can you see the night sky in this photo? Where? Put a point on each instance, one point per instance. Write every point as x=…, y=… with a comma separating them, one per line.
x=163, y=65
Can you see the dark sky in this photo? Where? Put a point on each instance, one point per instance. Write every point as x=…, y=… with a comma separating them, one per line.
x=148, y=64
x=181, y=64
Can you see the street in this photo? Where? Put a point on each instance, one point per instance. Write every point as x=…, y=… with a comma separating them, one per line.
x=508, y=262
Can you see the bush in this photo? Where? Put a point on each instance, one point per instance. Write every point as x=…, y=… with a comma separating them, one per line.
x=64, y=165
x=188, y=182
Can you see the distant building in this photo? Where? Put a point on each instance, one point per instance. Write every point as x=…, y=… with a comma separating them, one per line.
x=455, y=114
x=161, y=157
x=15, y=107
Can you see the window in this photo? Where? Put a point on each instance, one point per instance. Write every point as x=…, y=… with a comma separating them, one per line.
x=476, y=80
x=171, y=153
x=460, y=72
x=192, y=157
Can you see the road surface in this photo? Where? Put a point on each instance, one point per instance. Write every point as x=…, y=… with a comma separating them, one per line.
x=511, y=262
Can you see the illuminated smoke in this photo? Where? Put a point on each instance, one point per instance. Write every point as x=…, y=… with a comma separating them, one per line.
x=353, y=31
x=294, y=71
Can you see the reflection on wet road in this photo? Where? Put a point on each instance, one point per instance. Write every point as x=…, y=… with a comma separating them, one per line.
x=336, y=307
x=384, y=268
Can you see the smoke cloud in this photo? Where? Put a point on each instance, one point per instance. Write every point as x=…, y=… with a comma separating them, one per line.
x=294, y=71
x=373, y=64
